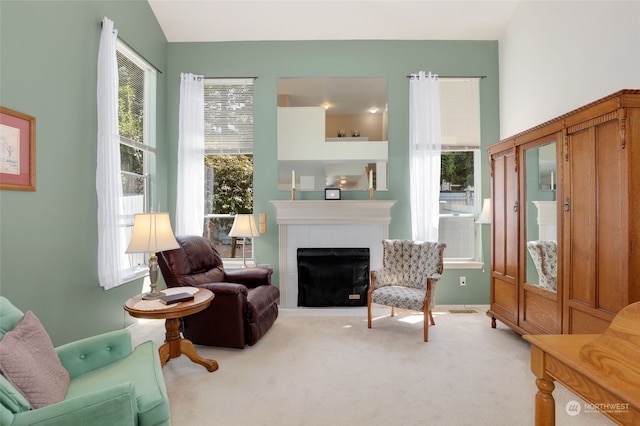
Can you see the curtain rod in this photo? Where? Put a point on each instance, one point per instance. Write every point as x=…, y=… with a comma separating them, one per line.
x=456, y=76
x=136, y=52
x=229, y=78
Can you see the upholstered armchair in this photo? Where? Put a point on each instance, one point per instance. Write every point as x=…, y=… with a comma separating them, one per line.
x=245, y=303
x=408, y=278
x=545, y=257
x=99, y=380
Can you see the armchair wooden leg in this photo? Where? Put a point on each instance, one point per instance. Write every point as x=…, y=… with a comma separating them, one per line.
x=393, y=311
x=369, y=313
x=431, y=318
x=426, y=327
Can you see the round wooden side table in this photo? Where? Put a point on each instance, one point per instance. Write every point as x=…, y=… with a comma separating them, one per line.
x=174, y=344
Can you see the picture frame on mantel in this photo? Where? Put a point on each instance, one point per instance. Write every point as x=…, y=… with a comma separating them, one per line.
x=17, y=151
x=332, y=194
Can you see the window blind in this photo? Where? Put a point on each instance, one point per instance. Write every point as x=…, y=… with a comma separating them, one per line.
x=228, y=116
x=460, y=113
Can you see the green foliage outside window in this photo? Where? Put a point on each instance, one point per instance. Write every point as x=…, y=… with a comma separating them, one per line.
x=233, y=184
x=456, y=167
x=130, y=113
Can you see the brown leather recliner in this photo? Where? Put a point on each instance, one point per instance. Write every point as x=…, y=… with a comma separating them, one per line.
x=245, y=304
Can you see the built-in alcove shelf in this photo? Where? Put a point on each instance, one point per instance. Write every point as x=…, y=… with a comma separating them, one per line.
x=327, y=224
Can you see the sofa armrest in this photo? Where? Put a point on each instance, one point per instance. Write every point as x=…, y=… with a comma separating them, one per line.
x=225, y=288
x=106, y=407
x=94, y=352
x=250, y=277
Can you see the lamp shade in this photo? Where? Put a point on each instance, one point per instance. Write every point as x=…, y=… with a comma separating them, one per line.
x=244, y=226
x=485, y=214
x=151, y=233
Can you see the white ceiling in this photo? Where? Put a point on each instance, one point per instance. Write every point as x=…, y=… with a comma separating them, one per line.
x=244, y=20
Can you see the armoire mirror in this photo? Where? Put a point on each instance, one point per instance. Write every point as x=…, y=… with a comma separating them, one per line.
x=541, y=215
x=332, y=132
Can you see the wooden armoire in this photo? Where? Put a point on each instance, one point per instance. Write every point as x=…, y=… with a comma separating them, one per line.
x=565, y=248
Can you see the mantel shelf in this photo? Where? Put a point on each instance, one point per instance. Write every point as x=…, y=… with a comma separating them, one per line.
x=311, y=212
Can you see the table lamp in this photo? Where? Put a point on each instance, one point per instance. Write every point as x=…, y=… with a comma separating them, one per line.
x=152, y=233
x=244, y=226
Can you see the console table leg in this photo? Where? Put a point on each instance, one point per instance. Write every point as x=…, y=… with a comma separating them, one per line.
x=545, y=404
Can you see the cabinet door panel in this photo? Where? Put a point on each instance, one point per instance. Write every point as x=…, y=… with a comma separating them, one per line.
x=505, y=229
x=511, y=218
x=540, y=311
x=504, y=294
x=505, y=298
x=585, y=323
x=499, y=232
x=582, y=218
x=611, y=237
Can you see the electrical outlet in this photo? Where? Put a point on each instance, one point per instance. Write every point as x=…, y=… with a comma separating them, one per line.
x=463, y=281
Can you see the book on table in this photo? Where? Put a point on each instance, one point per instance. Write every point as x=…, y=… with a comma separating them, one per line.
x=169, y=299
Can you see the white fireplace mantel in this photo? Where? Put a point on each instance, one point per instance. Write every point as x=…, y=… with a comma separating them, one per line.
x=328, y=212
x=327, y=224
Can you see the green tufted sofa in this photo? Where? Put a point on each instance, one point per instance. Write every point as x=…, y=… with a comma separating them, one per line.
x=111, y=384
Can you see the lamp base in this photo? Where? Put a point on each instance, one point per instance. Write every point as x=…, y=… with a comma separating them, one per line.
x=153, y=277
x=153, y=295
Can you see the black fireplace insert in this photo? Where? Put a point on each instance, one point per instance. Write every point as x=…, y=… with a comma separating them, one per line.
x=333, y=276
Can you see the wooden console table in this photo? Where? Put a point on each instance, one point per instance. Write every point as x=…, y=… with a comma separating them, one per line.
x=603, y=369
x=174, y=344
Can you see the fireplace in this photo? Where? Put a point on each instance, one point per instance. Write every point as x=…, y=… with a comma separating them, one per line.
x=333, y=276
x=327, y=224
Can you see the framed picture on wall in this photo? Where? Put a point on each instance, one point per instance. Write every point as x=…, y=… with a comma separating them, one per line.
x=332, y=193
x=17, y=151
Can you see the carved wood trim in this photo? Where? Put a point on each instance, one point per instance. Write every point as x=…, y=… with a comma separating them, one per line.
x=618, y=98
x=622, y=123
x=613, y=115
x=491, y=166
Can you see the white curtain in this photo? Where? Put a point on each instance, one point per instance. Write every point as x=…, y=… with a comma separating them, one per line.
x=108, y=178
x=190, y=193
x=424, y=155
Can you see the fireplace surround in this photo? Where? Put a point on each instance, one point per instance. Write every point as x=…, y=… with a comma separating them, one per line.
x=327, y=224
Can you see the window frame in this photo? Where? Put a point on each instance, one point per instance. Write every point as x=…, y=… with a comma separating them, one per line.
x=135, y=264
x=477, y=262
x=231, y=148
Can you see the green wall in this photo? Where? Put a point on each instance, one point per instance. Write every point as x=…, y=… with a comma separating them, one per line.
x=48, y=244
x=48, y=55
x=392, y=59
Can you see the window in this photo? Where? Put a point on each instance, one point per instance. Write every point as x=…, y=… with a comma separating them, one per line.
x=460, y=170
x=136, y=109
x=228, y=139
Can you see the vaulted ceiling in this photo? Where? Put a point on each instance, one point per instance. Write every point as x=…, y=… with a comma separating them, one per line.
x=243, y=20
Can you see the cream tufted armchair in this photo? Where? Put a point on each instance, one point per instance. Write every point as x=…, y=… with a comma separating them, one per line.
x=545, y=256
x=408, y=278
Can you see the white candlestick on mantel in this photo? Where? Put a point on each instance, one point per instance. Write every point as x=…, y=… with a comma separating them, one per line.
x=293, y=179
x=370, y=178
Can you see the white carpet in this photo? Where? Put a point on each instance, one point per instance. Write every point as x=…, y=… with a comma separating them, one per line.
x=320, y=367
